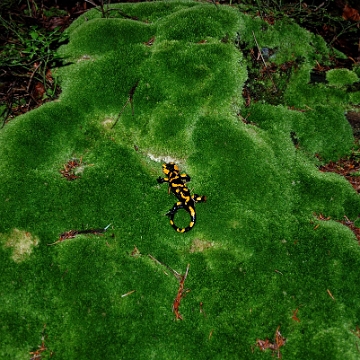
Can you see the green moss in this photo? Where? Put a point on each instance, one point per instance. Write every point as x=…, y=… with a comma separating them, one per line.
x=257, y=253
x=199, y=23
x=341, y=77
x=355, y=98
x=321, y=130
x=317, y=118
x=297, y=42
x=356, y=69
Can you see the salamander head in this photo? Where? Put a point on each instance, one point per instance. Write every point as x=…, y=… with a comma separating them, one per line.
x=170, y=168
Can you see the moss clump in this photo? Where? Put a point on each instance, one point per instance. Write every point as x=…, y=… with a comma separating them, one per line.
x=258, y=251
x=287, y=79
x=341, y=77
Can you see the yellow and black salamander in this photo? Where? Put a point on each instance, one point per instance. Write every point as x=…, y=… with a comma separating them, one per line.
x=177, y=185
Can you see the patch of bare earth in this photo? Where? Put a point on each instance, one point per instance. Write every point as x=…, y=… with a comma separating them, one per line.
x=22, y=243
x=200, y=245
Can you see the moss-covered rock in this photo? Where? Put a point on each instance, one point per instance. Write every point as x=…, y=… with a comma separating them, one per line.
x=162, y=81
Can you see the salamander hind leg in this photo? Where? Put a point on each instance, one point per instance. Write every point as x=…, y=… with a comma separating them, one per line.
x=177, y=206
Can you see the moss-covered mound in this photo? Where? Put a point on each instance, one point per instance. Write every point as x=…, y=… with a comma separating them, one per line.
x=162, y=81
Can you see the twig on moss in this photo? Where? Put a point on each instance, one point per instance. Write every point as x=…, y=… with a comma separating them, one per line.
x=175, y=273
x=131, y=96
x=156, y=260
x=274, y=346
x=357, y=332
x=128, y=293
x=71, y=234
x=37, y=353
x=180, y=295
x=259, y=50
x=129, y=100
x=330, y=294
x=294, y=316
x=181, y=291
x=120, y=113
x=262, y=58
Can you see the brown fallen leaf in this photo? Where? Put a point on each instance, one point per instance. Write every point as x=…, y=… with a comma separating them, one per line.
x=294, y=317
x=273, y=346
x=350, y=13
x=39, y=90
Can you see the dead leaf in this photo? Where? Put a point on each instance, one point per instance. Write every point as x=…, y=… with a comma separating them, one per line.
x=150, y=42
x=49, y=76
x=39, y=90
x=350, y=13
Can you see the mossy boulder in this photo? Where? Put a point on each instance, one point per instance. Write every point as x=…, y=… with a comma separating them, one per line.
x=162, y=81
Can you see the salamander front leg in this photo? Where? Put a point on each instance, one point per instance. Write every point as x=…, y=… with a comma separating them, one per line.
x=161, y=180
x=197, y=198
x=171, y=214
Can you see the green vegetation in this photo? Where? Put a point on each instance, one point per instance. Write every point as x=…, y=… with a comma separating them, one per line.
x=259, y=252
x=33, y=50
x=341, y=77
x=318, y=17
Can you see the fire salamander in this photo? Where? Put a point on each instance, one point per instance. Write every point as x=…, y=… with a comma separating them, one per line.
x=186, y=201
